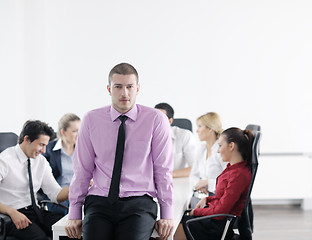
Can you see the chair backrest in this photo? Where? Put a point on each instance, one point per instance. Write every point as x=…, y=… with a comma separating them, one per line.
x=182, y=123
x=253, y=127
x=7, y=139
x=245, y=221
x=254, y=160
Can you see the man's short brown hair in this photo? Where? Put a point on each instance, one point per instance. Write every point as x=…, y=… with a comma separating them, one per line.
x=123, y=69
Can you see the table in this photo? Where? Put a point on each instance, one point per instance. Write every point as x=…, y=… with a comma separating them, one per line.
x=181, y=196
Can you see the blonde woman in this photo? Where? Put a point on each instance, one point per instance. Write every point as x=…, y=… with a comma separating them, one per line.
x=59, y=153
x=208, y=162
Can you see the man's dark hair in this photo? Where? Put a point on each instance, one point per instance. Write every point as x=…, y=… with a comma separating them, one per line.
x=34, y=128
x=165, y=106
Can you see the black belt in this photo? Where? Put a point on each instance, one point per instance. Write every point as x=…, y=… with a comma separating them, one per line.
x=133, y=197
x=26, y=208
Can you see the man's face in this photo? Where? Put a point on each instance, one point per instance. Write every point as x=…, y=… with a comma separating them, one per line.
x=123, y=89
x=38, y=146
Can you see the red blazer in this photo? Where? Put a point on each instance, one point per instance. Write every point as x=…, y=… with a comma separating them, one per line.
x=231, y=192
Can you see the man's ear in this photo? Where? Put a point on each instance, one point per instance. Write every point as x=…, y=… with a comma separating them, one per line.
x=26, y=139
x=170, y=120
x=138, y=89
x=109, y=89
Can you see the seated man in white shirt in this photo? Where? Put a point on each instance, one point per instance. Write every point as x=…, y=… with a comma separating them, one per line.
x=23, y=171
x=183, y=142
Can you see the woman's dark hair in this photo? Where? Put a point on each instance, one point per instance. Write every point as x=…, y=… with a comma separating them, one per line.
x=33, y=129
x=243, y=139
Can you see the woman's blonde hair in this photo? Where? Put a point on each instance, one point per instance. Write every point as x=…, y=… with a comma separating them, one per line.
x=212, y=120
x=65, y=121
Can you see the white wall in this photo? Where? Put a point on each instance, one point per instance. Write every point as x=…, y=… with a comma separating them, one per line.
x=12, y=95
x=283, y=177
x=250, y=61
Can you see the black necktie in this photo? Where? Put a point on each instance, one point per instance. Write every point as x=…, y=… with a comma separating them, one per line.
x=114, y=187
x=32, y=196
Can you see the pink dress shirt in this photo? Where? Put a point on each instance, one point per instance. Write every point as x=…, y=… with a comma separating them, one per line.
x=147, y=162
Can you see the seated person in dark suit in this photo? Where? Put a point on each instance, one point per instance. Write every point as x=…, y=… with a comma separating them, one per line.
x=23, y=171
x=231, y=190
x=59, y=154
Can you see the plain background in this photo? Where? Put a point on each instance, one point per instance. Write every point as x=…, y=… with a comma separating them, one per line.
x=250, y=61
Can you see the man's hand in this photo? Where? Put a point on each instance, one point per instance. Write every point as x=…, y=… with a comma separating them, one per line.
x=164, y=228
x=73, y=228
x=19, y=219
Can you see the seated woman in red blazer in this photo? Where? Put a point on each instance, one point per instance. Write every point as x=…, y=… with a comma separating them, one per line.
x=231, y=190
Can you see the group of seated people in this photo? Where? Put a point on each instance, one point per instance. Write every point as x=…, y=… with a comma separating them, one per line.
x=222, y=155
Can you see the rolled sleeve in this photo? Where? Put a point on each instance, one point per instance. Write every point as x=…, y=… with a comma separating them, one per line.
x=49, y=184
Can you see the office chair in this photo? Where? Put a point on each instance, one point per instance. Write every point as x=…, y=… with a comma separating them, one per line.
x=7, y=139
x=253, y=128
x=182, y=123
x=244, y=223
x=229, y=217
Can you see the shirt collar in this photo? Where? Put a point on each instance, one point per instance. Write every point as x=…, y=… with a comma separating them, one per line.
x=132, y=113
x=237, y=165
x=173, y=135
x=58, y=145
x=20, y=154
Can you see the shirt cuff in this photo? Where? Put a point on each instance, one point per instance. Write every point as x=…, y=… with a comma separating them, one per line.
x=166, y=212
x=75, y=213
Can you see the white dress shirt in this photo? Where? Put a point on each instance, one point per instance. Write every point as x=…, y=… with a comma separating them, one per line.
x=184, y=147
x=210, y=168
x=14, y=181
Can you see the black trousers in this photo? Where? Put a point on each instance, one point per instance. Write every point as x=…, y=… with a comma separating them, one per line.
x=208, y=229
x=35, y=231
x=131, y=218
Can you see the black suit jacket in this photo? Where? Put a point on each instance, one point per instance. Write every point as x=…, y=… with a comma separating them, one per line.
x=54, y=158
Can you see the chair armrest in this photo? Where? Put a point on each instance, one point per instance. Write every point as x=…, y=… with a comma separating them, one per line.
x=43, y=203
x=229, y=218
x=5, y=220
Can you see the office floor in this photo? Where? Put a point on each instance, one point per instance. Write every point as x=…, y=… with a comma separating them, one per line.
x=282, y=222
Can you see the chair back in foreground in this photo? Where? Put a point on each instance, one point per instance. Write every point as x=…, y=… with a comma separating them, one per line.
x=182, y=123
x=7, y=139
x=243, y=230
x=254, y=128
x=245, y=221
